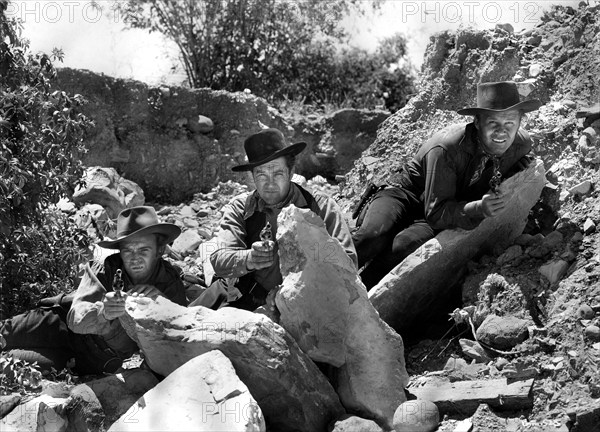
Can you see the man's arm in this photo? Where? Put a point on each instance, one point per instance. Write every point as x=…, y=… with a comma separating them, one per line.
x=230, y=258
x=336, y=225
x=86, y=313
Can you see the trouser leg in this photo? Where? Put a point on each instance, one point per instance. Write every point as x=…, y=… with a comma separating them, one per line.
x=403, y=244
x=386, y=215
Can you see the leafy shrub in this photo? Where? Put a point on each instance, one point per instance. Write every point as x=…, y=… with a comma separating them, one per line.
x=18, y=375
x=41, y=139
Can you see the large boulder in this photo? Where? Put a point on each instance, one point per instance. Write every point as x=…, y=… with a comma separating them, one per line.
x=325, y=307
x=104, y=186
x=289, y=388
x=43, y=413
x=412, y=288
x=204, y=394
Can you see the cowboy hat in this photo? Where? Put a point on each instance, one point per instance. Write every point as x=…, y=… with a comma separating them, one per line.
x=265, y=146
x=499, y=96
x=138, y=220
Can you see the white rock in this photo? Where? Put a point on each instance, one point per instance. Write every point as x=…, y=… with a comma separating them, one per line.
x=582, y=188
x=41, y=414
x=325, y=307
x=204, y=394
x=589, y=226
x=187, y=242
x=416, y=416
x=283, y=380
x=535, y=69
x=106, y=187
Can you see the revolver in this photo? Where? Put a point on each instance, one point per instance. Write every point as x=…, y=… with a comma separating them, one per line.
x=266, y=233
x=118, y=283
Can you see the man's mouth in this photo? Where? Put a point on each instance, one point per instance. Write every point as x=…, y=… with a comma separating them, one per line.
x=498, y=141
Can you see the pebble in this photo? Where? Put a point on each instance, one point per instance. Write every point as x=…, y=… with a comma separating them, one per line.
x=589, y=226
x=416, y=416
x=593, y=332
x=585, y=312
x=535, y=69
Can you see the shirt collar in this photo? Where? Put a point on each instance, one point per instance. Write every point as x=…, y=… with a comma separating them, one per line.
x=256, y=203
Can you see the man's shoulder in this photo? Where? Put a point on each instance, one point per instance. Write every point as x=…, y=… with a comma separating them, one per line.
x=238, y=202
x=449, y=136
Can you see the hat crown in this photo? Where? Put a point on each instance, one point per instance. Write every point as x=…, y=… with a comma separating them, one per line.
x=497, y=95
x=134, y=219
x=264, y=144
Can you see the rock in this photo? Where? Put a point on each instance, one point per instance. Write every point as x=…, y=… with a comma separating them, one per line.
x=569, y=103
x=350, y=423
x=534, y=40
x=202, y=124
x=507, y=27
x=592, y=135
x=585, y=312
x=187, y=211
x=187, y=242
x=582, y=188
x=593, y=333
x=204, y=394
x=589, y=226
x=413, y=287
x=111, y=396
x=554, y=270
x=474, y=350
x=510, y=254
x=324, y=306
x=43, y=413
x=503, y=333
x=416, y=416
x=525, y=88
x=290, y=390
x=535, y=69
x=8, y=403
x=106, y=187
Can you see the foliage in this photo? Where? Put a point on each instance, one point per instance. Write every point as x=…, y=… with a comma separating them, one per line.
x=278, y=49
x=41, y=139
x=18, y=375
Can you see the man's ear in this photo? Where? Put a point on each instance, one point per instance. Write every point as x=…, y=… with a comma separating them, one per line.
x=476, y=122
x=161, y=250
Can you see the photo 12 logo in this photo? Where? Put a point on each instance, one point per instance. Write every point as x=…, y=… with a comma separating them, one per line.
x=470, y=12
x=55, y=11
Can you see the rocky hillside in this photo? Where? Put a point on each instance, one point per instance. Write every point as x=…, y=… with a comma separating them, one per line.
x=548, y=277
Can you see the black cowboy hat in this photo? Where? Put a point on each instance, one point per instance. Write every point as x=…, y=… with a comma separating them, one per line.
x=137, y=220
x=266, y=145
x=499, y=96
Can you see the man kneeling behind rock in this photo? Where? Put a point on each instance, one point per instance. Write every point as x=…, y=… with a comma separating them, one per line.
x=246, y=249
x=94, y=336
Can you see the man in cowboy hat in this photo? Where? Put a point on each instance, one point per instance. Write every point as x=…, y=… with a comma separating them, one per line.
x=246, y=251
x=141, y=241
x=84, y=325
x=447, y=183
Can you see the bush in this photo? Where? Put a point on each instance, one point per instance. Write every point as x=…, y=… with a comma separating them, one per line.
x=41, y=139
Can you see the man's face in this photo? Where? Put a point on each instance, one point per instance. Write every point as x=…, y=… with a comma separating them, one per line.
x=272, y=180
x=497, y=131
x=140, y=254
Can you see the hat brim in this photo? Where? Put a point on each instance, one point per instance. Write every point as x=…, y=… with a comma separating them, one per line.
x=171, y=231
x=293, y=149
x=526, y=106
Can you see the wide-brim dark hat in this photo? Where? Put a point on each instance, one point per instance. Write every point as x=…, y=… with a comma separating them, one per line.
x=138, y=220
x=498, y=97
x=265, y=146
